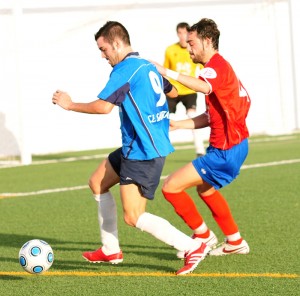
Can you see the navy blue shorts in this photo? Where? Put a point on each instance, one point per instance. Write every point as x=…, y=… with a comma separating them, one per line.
x=220, y=167
x=144, y=173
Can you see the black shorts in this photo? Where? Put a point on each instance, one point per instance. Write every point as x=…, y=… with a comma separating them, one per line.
x=189, y=102
x=144, y=173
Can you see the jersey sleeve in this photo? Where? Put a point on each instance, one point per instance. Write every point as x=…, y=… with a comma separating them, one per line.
x=209, y=75
x=115, y=90
x=167, y=85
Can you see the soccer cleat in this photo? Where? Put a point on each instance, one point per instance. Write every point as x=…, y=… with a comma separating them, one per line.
x=228, y=249
x=211, y=241
x=98, y=256
x=193, y=258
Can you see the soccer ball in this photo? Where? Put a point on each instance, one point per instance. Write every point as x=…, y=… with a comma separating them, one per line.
x=36, y=256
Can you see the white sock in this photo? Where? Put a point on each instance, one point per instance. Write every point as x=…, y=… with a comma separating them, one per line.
x=107, y=217
x=234, y=237
x=197, y=135
x=165, y=232
x=201, y=229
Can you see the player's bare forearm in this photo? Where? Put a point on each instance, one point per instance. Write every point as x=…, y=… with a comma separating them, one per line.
x=182, y=124
x=201, y=121
x=197, y=122
x=95, y=107
x=193, y=83
x=63, y=100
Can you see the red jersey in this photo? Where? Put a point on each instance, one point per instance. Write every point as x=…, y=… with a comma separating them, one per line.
x=227, y=104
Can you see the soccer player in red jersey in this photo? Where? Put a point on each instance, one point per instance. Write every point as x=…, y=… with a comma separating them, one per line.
x=227, y=106
x=177, y=58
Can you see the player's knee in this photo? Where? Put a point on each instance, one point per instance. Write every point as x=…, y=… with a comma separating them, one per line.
x=130, y=219
x=169, y=185
x=166, y=186
x=92, y=184
x=97, y=185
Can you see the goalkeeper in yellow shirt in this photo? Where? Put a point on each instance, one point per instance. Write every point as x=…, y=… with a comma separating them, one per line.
x=177, y=58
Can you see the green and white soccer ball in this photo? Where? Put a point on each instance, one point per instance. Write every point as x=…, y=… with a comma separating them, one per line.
x=36, y=256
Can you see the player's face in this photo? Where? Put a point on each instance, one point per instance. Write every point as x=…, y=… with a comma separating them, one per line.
x=108, y=51
x=182, y=35
x=196, y=48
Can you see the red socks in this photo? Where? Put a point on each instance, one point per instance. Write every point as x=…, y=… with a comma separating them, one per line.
x=202, y=235
x=185, y=207
x=237, y=242
x=221, y=212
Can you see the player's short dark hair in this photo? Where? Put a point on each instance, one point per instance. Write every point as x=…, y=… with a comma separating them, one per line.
x=183, y=25
x=111, y=30
x=207, y=28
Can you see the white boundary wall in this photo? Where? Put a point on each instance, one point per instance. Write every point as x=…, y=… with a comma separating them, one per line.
x=46, y=45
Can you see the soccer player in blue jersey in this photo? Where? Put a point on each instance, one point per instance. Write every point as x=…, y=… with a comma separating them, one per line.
x=136, y=87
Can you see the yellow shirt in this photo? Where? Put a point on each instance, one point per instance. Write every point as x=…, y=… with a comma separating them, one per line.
x=178, y=59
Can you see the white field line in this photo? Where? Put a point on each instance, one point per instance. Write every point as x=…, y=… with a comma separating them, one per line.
x=99, y=156
x=80, y=187
x=68, y=159
x=44, y=191
x=266, y=164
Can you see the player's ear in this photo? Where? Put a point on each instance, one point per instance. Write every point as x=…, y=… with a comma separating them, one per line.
x=117, y=45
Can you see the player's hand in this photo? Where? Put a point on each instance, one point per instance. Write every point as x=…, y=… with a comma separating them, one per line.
x=173, y=125
x=62, y=99
x=159, y=68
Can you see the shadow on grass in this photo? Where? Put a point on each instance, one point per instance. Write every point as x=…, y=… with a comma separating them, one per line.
x=83, y=266
x=136, y=257
x=17, y=240
x=10, y=278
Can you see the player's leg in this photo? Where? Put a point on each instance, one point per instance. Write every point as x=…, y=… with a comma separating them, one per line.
x=172, y=104
x=174, y=191
x=103, y=178
x=139, y=181
x=100, y=182
x=222, y=214
x=134, y=205
x=226, y=168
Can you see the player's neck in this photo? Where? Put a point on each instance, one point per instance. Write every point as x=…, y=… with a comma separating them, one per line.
x=125, y=51
x=209, y=56
x=182, y=44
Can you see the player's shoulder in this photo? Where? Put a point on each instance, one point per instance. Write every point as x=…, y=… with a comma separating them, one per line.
x=134, y=66
x=219, y=60
x=173, y=47
x=219, y=63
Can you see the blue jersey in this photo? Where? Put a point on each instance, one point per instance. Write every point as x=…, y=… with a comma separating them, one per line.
x=138, y=89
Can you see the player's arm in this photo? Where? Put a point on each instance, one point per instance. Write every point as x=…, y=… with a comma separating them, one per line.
x=199, y=121
x=193, y=83
x=169, y=89
x=95, y=107
x=173, y=93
